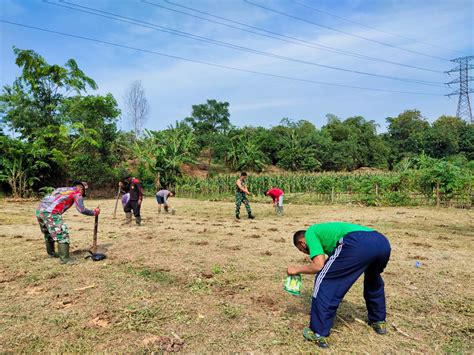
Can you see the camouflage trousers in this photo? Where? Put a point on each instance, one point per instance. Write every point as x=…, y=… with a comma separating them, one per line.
x=240, y=198
x=52, y=226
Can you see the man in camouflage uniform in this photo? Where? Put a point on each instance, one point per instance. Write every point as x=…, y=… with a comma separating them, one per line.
x=49, y=216
x=241, y=196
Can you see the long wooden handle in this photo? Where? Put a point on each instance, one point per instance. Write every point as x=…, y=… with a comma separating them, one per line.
x=116, y=202
x=94, y=239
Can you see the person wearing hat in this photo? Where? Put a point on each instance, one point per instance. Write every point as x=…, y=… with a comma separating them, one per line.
x=49, y=216
x=133, y=187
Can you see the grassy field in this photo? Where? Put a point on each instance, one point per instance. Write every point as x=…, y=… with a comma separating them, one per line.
x=200, y=281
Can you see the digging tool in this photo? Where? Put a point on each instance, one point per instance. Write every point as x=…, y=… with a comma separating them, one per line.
x=116, y=202
x=94, y=238
x=94, y=254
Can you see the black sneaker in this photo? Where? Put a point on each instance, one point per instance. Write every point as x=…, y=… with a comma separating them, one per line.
x=320, y=341
x=379, y=327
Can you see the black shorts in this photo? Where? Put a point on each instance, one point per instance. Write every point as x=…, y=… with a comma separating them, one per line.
x=161, y=200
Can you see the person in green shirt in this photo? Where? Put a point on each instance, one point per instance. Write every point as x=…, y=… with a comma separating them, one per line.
x=351, y=250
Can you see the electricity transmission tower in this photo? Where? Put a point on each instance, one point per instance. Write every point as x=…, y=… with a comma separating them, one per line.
x=464, y=105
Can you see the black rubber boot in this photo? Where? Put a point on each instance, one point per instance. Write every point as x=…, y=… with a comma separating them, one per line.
x=63, y=249
x=237, y=216
x=50, y=248
x=251, y=216
x=138, y=221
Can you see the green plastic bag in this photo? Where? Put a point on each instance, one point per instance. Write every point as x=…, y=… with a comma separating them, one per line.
x=293, y=285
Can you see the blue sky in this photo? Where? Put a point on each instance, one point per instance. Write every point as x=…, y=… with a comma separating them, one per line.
x=173, y=86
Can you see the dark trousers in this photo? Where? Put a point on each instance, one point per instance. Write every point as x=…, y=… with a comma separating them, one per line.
x=133, y=206
x=356, y=253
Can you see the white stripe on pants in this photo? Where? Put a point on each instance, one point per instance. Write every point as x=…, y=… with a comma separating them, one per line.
x=326, y=267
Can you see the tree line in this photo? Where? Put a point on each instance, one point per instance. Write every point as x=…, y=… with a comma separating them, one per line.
x=54, y=130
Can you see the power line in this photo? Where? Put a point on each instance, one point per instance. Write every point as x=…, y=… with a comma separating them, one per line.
x=282, y=37
x=344, y=32
x=371, y=27
x=213, y=64
x=136, y=22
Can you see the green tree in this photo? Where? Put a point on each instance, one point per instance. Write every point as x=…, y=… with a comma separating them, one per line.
x=466, y=141
x=44, y=106
x=20, y=164
x=294, y=143
x=31, y=104
x=244, y=152
x=32, y=108
x=93, y=130
x=353, y=143
x=407, y=135
x=208, y=121
x=444, y=137
x=161, y=155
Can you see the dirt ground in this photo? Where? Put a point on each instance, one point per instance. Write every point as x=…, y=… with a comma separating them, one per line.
x=200, y=282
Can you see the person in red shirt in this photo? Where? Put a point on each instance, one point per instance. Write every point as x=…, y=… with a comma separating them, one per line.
x=277, y=196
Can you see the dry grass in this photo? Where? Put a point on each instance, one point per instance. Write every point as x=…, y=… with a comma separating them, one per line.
x=215, y=284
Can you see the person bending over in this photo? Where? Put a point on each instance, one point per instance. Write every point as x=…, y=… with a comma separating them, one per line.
x=50, y=217
x=352, y=250
x=162, y=198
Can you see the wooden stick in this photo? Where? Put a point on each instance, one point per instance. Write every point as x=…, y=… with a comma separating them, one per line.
x=94, y=238
x=84, y=288
x=116, y=202
x=402, y=332
x=344, y=321
x=361, y=322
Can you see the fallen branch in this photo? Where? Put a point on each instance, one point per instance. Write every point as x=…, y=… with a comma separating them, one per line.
x=403, y=333
x=84, y=288
x=344, y=321
x=361, y=322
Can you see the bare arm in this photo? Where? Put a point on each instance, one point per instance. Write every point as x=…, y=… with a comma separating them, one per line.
x=313, y=268
x=242, y=188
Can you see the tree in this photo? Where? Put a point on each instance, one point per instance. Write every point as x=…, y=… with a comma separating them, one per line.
x=20, y=164
x=444, y=136
x=31, y=105
x=407, y=134
x=466, y=144
x=162, y=154
x=137, y=106
x=208, y=121
x=244, y=152
x=298, y=151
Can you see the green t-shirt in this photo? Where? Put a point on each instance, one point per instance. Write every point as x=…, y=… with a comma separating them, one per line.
x=322, y=238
